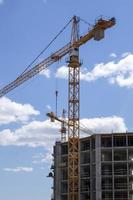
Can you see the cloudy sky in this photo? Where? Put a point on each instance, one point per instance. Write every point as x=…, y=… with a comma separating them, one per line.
x=26, y=134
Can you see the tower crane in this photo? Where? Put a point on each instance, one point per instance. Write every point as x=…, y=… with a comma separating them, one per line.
x=64, y=124
x=72, y=48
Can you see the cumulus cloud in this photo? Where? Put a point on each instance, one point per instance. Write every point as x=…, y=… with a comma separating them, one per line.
x=116, y=72
x=113, y=55
x=44, y=158
x=46, y=73
x=45, y=133
x=62, y=72
x=34, y=134
x=105, y=124
x=125, y=54
x=19, y=169
x=11, y=111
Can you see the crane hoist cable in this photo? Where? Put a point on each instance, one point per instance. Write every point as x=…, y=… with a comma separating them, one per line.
x=56, y=101
x=56, y=91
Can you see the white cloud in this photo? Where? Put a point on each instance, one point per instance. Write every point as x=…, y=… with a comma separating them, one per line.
x=113, y=55
x=105, y=124
x=122, y=81
x=46, y=73
x=44, y=158
x=19, y=169
x=62, y=72
x=116, y=72
x=35, y=134
x=45, y=133
x=11, y=111
x=125, y=54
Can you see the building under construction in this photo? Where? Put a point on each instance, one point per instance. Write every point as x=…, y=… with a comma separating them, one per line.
x=106, y=168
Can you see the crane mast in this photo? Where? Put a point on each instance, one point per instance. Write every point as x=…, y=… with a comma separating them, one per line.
x=73, y=116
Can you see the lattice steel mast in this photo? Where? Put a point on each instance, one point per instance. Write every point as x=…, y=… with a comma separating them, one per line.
x=73, y=115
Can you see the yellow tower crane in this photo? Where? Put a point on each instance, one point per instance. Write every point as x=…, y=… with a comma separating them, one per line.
x=72, y=48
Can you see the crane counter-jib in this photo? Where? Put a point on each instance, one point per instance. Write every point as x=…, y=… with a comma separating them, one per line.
x=101, y=25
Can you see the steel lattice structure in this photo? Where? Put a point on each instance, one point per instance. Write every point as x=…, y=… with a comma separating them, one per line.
x=73, y=117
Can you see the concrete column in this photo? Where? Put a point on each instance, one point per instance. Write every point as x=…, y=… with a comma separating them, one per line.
x=127, y=166
x=91, y=176
x=57, y=179
x=113, y=193
x=98, y=167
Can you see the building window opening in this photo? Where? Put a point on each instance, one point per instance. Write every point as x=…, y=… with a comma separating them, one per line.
x=119, y=141
x=106, y=142
x=120, y=155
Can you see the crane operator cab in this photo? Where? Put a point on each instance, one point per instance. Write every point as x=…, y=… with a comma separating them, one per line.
x=52, y=116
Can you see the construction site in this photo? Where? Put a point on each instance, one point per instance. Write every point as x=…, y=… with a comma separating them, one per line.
x=96, y=167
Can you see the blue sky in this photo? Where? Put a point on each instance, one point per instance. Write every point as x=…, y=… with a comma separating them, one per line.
x=26, y=135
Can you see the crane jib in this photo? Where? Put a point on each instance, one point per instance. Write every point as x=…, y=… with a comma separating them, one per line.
x=97, y=33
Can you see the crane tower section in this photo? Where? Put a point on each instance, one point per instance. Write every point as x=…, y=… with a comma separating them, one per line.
x=73, y=116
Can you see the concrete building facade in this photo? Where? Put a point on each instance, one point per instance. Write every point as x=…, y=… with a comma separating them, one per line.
x=106, y=167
